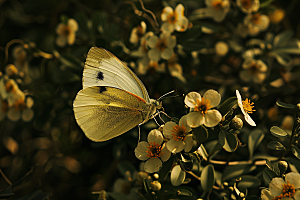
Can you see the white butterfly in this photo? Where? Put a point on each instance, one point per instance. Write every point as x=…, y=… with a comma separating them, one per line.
x=113, y=99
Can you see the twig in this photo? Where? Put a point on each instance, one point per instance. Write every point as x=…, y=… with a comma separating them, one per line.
x=5, y=178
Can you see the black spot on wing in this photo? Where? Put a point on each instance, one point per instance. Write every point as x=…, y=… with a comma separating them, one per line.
x=102, y=89
x=100, y=75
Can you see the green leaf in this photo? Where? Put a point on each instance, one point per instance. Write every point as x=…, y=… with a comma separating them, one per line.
x=166, y=168
x=207, y=178
x=193, y=45
x=285, y=105
x=268, y=175
x=265, y=3
x=202, y=151
x=282, y=38
x=184, y=192
x=117, y=196
x=200, y=134
x=146, y=186
x=236, y=171
x=278, y=132
x=177, y=176
x=249, y=181
x=227, y=105
x=228, y=141
x=296, y=151
x=254, y=139
x=269, y=165
x=37, y=195
x=294, y=163
x=275, y=145
x=185, y=161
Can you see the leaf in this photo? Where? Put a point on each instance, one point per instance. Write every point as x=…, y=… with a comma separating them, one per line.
x=227, y=105
x=275, y=145
x=268, y=175
x=207, y=178
x=236, y=171
x=202, y=151
x=282, y=37
x=285, y=105
x=146, y=186
x=185, y=161
x=177, y=176
x=254, y=139
x=269, y=165
x=249, y=181
x=228, y=140
x=265, y=3
x=294, y=164
x=184, y=192
x=7, y=192
x=278, y=132
x=117, y=196
x=166, y=168
x=193, y=45
x=296, y=151
x=200, y=134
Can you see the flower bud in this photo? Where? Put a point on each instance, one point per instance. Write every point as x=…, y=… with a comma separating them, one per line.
x=155, y=185
x=236, y=123
x=282, y=165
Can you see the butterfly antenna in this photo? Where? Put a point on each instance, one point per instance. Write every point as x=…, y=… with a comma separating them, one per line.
x=165, y=95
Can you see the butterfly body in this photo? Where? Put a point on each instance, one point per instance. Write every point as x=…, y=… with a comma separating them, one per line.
x=113, y=100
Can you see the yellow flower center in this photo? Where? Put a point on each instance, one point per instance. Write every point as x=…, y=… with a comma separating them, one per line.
x=248, y=106
x=9, y=86
x=179, y=132
x=154, y=150
x=217, y=5
x=287, y=191
x=66, y=31
x=140, y=31
x=20, y=105
x=254, y=68
x=161, y=44
x=172, y=18
x=246, y=4
x=202, y=106
x=255, y=18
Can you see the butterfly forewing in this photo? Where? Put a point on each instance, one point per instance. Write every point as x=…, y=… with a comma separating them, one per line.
x=102, y=68
x=106, y=112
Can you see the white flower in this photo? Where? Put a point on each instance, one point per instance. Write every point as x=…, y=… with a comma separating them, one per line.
x=216, y=9
x=174, y=20
x=256, y=23
x=178, y=135
x=153, y=152
x=20, y=107
x=201, y=112
x=283, y=189
x=246, y=107
x=66, y=33
x=161, y=47
x=175, y=68
x=248, y=6
x=137, y=33
x=254, y=70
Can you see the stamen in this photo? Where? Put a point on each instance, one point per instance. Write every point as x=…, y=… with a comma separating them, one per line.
x=217, y=5
x=248, y=106
x=202, y=106
x=287, y=191
x=154, y=150
x=179, y=132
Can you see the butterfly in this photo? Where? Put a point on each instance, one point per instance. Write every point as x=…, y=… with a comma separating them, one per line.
x=113, y=99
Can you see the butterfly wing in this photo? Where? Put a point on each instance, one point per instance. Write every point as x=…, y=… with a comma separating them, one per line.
x=102, y=68
x=106, y=112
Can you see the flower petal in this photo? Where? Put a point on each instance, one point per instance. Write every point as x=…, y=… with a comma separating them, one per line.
x=167, y=129
x=73, y=24
x=165, y=153
x=166, y=12
x=152, y=165
x=152, y=40
x=27, y=115
x=188, y=143
x=175, y=146
x=266, y=195
x=213, y=96
x=249, y=120
x=293, y=178
x=183, y=121
x=195, y=119
x=297, y=195
x=171, y=41
x=276, y=186
x=167, y=28
x=167, y=53
x=155, y=136
x=154, y=54
x=140, y=150
x=13, y=115
x=191, y=99
x=212, y=118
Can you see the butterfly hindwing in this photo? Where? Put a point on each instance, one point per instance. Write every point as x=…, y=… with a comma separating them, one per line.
x=102, y=68
x=106, y=112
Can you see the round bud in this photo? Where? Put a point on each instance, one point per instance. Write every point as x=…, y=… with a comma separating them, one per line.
x=236, y=123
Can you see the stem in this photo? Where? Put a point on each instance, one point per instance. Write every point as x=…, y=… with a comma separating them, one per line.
x=5, y=178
